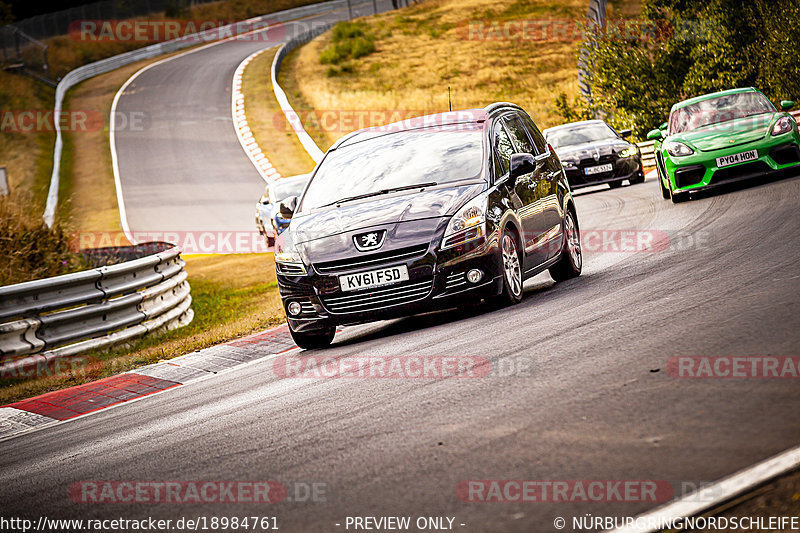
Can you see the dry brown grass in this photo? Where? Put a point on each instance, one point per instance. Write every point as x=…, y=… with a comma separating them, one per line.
x=423, y=49
x=26, y=155
x=232, y=296
x=30, y=250
x=266, y=120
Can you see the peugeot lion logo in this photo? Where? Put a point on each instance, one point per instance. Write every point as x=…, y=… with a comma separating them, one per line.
x=369, y=241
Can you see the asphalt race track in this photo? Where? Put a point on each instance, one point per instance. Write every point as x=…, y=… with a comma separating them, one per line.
x=184, y=169
x=578, y=388
x=597, y=402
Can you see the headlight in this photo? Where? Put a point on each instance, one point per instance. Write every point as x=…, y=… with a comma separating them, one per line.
x=783, y=125
x=288, y=261
x=677, y=149
x=630, y=151
x=569, y=163
x=468, y=224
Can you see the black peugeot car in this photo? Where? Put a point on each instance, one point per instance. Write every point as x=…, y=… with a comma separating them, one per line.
x=593, y=153
x=425, y=214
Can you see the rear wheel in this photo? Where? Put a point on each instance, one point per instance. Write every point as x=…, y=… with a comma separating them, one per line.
x=615, y=184
x=512, y=269
x=313, y=340
x=571, y=262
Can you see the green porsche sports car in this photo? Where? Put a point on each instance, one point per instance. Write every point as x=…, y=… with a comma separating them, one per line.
x=723, y=137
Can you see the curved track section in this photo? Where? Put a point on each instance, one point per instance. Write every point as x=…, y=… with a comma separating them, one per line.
x=186, y=171
x=597, y=402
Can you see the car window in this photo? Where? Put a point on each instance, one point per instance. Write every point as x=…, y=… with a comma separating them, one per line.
x=519, y=136
x=718, y=110
x=502, y=147
x=538, y=139
x=440, y=154
x=581, y=134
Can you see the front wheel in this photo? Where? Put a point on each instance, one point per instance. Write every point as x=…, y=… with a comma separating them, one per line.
x=571, y=262
x=512, y=269
x=638, y=179
x=678, y=197
x=615, y=184
x=311, y=341
x=664, y=190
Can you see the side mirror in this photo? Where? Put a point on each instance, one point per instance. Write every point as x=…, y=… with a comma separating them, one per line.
x=287, y=207
x=521, y=164
x=786, y=105
x=654, y=135
x=625, y=133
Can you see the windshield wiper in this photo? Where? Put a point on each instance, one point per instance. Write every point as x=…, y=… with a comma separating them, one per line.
x=380, y=192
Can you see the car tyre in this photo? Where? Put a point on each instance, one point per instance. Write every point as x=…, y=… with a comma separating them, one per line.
x=678, y=197
x=512, y=269
x=638, y=179
x=571, y=262
x=664, y=191
x=315, y=340
x=615, y=184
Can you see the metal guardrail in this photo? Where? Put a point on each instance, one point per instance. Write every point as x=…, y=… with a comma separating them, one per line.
x=52, y=318
x=106, y=65
x=595, y=16
x=291, y=116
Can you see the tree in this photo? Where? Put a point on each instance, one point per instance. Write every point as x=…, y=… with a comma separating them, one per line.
x=702, y=46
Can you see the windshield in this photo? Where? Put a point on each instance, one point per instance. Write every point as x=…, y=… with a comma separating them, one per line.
x=580, y=135
x=430, y=155
x=285, y=188
x=719, y=110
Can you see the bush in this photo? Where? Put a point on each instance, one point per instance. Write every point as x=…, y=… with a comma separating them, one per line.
x=31, y=250
x=349, y=40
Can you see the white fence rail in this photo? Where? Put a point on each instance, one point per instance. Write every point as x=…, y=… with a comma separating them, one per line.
x=648, y=154
x=51, y=318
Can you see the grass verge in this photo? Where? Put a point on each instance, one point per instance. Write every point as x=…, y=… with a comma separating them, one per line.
x=273, y=134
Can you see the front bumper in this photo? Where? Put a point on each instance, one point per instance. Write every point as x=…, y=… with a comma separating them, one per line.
x=437, y=280
x=624, y=169
x=699, y=171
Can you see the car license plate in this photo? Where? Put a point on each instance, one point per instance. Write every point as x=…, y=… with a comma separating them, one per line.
x=373, y=278
x=732, y=159
x=608, y=167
